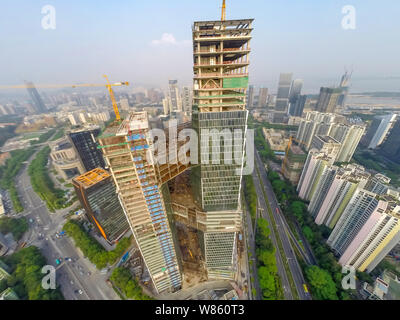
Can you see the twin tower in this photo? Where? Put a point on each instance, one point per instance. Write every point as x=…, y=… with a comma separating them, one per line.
x=221, y=59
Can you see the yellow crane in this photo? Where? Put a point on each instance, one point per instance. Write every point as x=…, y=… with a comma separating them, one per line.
x=287, y=151
x=223, y=13
x=108, y=85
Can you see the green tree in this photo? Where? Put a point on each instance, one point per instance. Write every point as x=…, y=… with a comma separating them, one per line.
x=322, y=285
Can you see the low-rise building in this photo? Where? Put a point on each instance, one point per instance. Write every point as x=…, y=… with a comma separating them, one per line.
x=65, y=159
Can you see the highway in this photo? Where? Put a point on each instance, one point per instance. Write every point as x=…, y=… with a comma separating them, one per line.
x=249, y=236
x=78, y=279
x=281, y=224
x=279, y=259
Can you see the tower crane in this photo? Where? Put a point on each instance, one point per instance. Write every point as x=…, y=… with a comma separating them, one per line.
x=108, y=85
x=223, y=13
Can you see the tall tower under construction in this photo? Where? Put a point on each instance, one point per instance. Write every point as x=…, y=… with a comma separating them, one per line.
x=221, y=59
x=141, y=187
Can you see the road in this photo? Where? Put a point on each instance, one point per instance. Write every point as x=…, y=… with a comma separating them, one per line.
x=79, y=274
x=251, y=248
x=290, y=256
x=279, y=259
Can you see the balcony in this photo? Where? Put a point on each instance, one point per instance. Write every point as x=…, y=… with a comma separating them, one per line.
x=224, y=63
x=219, y=51
x=219, y=75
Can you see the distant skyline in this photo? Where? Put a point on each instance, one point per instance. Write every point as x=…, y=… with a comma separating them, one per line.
x=149, y=42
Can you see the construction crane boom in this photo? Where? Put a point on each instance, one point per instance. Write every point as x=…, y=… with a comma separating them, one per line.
x=108, y=86
x=223, y=13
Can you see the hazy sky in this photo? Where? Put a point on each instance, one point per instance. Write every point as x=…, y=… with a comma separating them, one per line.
x=148, y=42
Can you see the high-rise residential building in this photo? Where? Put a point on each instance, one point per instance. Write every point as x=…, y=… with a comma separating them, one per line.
x=328, y=99
x=294, y=164
x=250, y=97
x=72, y=119
x=359, y=209
x=376, y=238
x=391, y=147
x=142, y=190
x=85, y=145
x=187, y=99
x=349, y=137
x=347, y=179
x=96, y=192
x=378, y=131
x=327, y=145
x=124, y=104
x=314, y=123
x=329, y=124
x=221, y=58
x=262, y=98
x=323, y=186
x=38, y=104
x=378, y=184
x=174, y=96
x=314, y=167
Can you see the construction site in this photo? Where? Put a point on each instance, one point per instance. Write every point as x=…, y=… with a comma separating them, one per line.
x=185, y=208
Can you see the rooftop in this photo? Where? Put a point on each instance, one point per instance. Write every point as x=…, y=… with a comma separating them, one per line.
x=92, y=177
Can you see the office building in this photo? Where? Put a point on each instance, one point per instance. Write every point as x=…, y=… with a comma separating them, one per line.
x=377, y=237
x=391, y=147
x=344, y=86
x=221, y=58
x=85, y=145
x=38, y=104
x=356, y=213
x=282, y=97
x=297, y=105
x=96, y=192
x=141, y=188
x=262, y=98
x=294, y=163
x=65, y=159
x=328, y=99
x=347, y=179
x=250, y=97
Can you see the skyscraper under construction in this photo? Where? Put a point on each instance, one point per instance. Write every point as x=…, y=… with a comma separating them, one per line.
x=141, y=188
x=221, y=59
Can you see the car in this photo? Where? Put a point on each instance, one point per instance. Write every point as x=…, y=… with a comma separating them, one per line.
x=68, y=259
x=80, y=291
x=71, y=282
x=58, y=261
